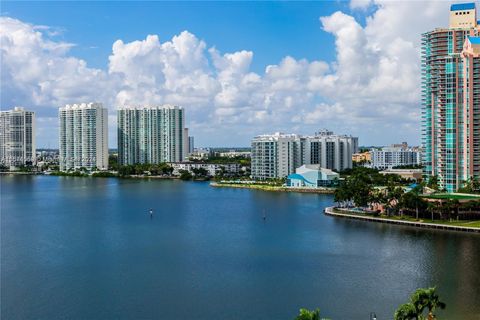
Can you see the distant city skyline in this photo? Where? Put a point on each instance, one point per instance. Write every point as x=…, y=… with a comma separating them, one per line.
x=238, y=69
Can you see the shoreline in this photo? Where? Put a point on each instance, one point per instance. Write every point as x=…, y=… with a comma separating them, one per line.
x=20, y=173
x=270, y=188
x=101, y=177
x=330, y=211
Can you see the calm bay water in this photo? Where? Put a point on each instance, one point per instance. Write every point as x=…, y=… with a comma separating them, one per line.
x=81, y=248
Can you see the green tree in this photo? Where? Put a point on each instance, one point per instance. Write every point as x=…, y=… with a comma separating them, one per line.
x=113, y=162
x=472, y=185
x=433, y=183
x=413, y=202
x=432, y=302
x=185, y=175
x=306, y=314
x=406, y=311
x=422, y=299
x=200, y=172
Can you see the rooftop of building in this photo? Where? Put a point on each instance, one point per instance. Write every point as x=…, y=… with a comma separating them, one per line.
x=76, y=106
x=318, y=168
x=149, y=107
x=462, y=6
x=402, y=171
x=16, y=109
x=276, y=135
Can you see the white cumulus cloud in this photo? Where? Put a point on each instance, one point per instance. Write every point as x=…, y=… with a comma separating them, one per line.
x=372, y=86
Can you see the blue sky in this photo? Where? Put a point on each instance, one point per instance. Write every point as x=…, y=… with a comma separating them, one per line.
x=271, y=29
x=241, y=69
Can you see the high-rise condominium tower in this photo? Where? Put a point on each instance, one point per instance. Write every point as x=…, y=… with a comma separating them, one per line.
x=151, y=134
x=17, y=137
x=83, y=136
x=450, y=102
x=278, y=155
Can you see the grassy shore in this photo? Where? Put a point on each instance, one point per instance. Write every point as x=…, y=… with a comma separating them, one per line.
x=459, y=223
x=266, y=187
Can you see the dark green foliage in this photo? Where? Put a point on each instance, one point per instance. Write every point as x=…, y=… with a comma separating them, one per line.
x=145, y=168
x=69, y=174
x=421, y=301
x=224, y=160
x=306, y=314
x=103, y=174
x=113, y=162
x=472, y=185
x=200, y=172
x=406, y=311
x=433, y=183
x=185, y=175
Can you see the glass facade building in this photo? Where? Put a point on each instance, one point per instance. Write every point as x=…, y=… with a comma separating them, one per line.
x=17, y=137
x=444, y=103
x=151, y=134
x=83, y=137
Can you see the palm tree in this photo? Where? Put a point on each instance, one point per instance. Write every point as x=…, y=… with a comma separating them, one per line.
x=406, y=311
x=306, y=314
x=433, y=183
x=420, y=300
x=432, y=302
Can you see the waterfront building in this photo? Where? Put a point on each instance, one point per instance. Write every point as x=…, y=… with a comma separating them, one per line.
x=450, y=101
x=17, y=137
x=83, y=138
x=394, y=156
x=312, y=176
x=330, y=151
x=212, y=168
x=151, y=134
x=278, y=155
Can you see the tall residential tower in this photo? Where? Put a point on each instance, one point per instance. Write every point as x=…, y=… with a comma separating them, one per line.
x=450, y=105
x=278, y=155
x=83, y=137
x=151, y=134
x=17, y=137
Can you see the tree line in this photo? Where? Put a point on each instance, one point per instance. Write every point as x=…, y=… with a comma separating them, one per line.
x=367, y=188
x=422, y=305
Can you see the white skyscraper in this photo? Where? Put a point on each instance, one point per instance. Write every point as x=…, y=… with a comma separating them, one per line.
x=330, y=151
x=151, y=134
x=278, y=155
x=83, y=136
x=17, y=137
x=394, y=156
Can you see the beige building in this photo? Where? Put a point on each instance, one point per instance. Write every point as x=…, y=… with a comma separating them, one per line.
x=362, y=157
x=415, y=174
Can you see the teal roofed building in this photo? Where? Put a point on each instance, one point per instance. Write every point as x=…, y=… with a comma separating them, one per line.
x=312, y=176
